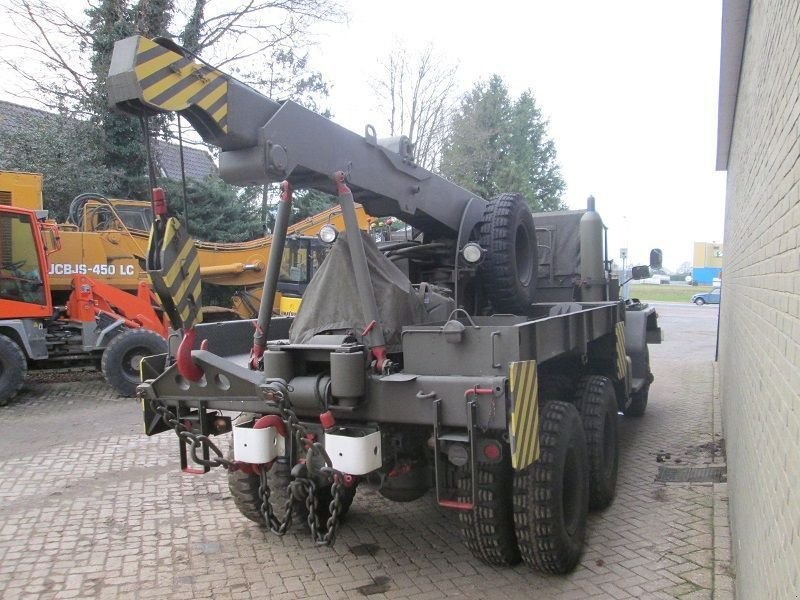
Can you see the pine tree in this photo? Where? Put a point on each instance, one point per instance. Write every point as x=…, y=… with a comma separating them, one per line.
x=498, y=145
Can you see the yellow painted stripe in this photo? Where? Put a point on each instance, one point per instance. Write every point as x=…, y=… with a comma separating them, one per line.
x=174, y=271
x=155, y=64
x=223, y=110
x=621, y=352
x=528, y=415
x=170, y=230
x=524, y=387
x=534, y=453
x=513, y=374
x=208, y=101
x=162, y=85
x=185, y=304
x=181, y=99
x=522, y=405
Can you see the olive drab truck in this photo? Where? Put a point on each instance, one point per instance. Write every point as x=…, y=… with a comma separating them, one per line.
x=484, y=359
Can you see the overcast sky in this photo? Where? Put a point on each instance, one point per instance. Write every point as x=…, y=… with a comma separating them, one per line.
x=629, y=87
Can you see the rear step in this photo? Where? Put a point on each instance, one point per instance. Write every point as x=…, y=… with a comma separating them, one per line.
x=467, y=437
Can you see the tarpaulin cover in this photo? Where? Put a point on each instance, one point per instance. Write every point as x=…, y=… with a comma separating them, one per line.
x=561, y=247
x=331, y=301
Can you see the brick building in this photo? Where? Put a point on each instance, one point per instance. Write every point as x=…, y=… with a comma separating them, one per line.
x=759, y=147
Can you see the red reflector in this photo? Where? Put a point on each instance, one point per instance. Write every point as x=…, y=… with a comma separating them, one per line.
x=455, y=505
x=327, y=420
x=492, y=451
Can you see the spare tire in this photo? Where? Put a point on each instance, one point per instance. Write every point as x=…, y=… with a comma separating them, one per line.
x=511, y=265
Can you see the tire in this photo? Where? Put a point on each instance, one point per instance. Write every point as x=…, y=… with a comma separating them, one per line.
x=511, y=265
x=596, y=402
x=121, y=358
x=13, y=367
x=488, y=529
x=244, y=488
x=551, y=496
x=699, y=302
x=638, y=403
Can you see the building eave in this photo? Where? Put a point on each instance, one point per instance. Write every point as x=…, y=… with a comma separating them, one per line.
x=734, y=30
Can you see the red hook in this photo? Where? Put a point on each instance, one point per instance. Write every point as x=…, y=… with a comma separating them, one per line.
x=186, y=366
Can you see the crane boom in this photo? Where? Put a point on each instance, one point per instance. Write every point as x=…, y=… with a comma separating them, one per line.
x=265, y=141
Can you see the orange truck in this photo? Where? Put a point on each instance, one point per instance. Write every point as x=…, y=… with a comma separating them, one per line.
x=98, y=325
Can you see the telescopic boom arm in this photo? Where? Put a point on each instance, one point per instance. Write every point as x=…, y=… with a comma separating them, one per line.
x=264, y=141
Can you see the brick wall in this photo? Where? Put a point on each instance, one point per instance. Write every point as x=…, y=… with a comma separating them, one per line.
x=760, y=328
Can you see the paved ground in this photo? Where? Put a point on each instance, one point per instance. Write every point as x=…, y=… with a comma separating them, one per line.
x=91, y=508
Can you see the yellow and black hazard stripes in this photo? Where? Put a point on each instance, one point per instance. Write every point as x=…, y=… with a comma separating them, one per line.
x=524, y=425
x=172, y=82
x=175, y=275
x=619, y=330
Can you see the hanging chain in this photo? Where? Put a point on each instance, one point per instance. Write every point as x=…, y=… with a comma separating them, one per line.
x=299, y=486
x=195, y=440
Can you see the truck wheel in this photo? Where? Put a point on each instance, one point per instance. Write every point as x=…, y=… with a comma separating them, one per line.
x=244, y=490
x=551, y=496
x=121, y=358
x=488, y=529
x=511, y=265
x=13, y=367
x=596, y=402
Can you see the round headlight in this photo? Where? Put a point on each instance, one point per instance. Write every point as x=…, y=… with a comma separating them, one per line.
x=328, y=234
x=472, y=253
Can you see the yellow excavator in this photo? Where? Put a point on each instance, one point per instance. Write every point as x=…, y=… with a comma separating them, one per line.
x=107, y=240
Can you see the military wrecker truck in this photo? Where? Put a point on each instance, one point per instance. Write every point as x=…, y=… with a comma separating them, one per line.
x=485, y=358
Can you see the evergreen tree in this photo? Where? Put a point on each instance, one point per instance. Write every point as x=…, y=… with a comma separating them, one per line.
x=120, y=136
x=499, y=145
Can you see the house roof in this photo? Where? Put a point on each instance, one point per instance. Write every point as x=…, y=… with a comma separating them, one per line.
x=13, y=116
x=198, y=163
x=734, y=30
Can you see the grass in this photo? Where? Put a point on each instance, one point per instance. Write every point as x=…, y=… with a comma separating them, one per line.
x=666, y=293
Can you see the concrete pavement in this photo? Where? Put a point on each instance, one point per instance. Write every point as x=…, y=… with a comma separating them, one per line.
x=92, y=509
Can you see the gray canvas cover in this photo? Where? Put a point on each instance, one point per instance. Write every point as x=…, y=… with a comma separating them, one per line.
x=331, y=301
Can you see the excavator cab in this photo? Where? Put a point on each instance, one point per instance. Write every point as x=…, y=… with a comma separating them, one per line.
x=24, y=290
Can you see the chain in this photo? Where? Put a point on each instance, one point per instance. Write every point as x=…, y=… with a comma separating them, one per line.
x=296, y=488
x=334, y=508
x=276, y=525
x=195, y=440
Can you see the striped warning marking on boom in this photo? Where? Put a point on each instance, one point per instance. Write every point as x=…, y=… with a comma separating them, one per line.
x=524, y=388
x=177, y=282
x=172, y=82
x=619, y=329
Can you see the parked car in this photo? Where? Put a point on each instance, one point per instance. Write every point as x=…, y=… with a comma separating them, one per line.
x=711, y=297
